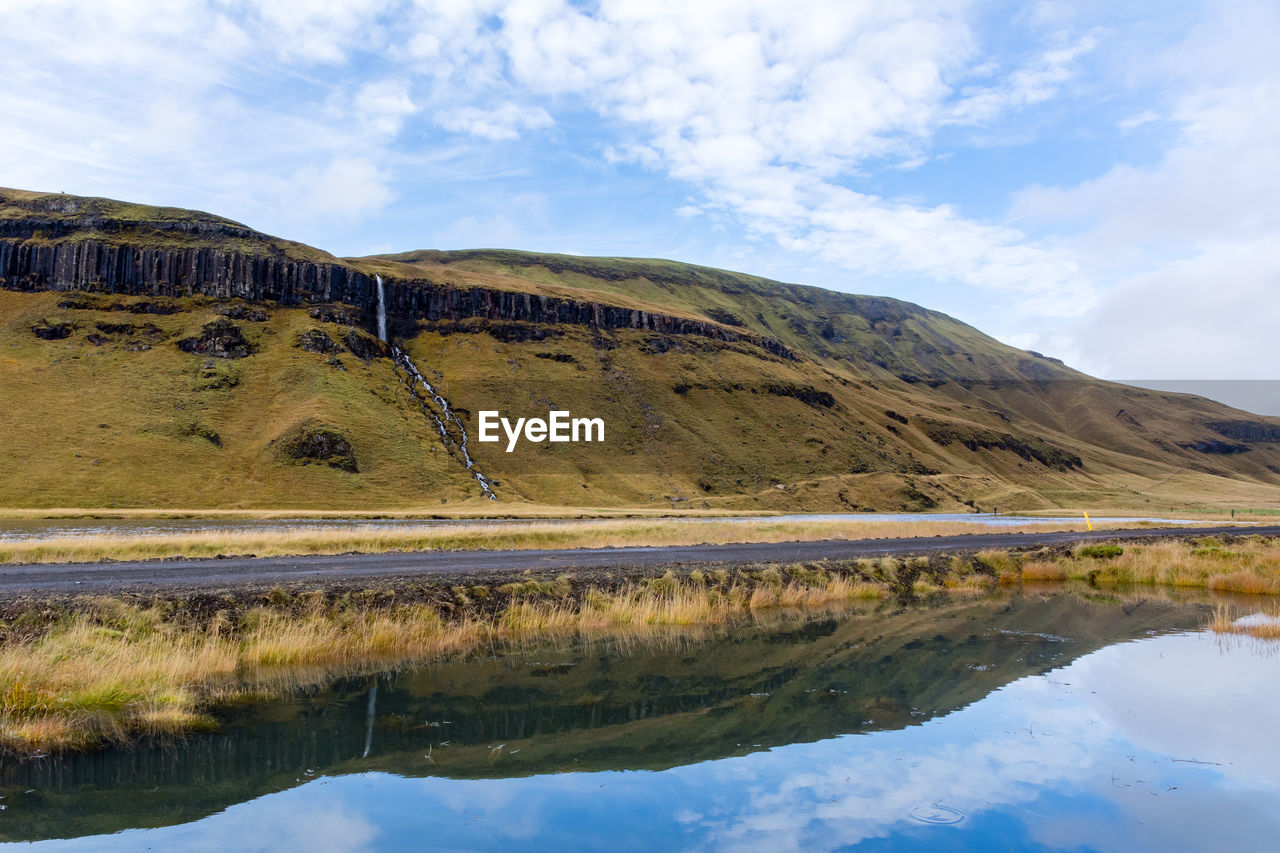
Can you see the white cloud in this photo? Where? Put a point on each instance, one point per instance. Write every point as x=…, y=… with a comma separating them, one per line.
x=1213, y=316
x=768, y=109
x=1033, y=84
x=316, y=31
x=344, y=189
x=220, y=106
x=1136, y=121
x=1219, y=178
x=1188, y=244
x=499, y=221
x=383, y=105
x=504, y=121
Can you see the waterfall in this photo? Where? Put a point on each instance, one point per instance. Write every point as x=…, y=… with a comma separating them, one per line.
x=382, y=311
x=444, y=417
x=442, y=414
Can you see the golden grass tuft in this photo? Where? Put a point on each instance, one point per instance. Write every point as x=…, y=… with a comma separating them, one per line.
x=973, y=583
x=1222, y=622
x=1042, y=570
x=1245, y=582
x=1001, y=564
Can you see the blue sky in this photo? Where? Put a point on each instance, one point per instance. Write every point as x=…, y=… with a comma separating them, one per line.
x=1094, y=180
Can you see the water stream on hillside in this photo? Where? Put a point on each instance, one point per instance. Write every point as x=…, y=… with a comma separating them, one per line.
x=433, y=404
x=1064, y=721
x=443, y=415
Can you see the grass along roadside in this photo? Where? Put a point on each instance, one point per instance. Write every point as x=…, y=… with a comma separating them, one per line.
x=497, y=535
x=1239, y=564
x=80, y=672
x=107, y=670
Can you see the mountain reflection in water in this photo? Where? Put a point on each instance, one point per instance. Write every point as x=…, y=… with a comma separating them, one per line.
x=983, y=722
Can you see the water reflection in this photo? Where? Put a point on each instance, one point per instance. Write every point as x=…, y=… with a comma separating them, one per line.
x=1028, y=721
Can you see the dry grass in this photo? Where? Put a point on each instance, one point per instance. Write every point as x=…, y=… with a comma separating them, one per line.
x=1002, y=565
x=113, y=671
x=494, y=535
x=1249, y=565
x=1043, y=570
x=1257, y=626
x=971, y=584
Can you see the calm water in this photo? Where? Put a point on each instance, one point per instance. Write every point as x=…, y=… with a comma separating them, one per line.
x=1032, y=722
x=26, y=529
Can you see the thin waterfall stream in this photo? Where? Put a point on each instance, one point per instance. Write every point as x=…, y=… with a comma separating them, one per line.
x=433, y=403
x=382, y=310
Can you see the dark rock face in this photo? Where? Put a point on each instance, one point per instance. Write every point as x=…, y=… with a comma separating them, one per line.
x=806, y=394
x=220, y=339
x=51, y=331
x=105, y=268
x=244, y=312
x=974, y=438
x=562, y=357
x=92, y=302
x=504, y=332
x=326, y=446
x=198, y=430
x=722, y=316
x=147, y=331
x=363, y=346
x=660, y=344
x=153, y=308
x=331, y=314
x=1216, y=448
x=315, y=340
x=1254, y=432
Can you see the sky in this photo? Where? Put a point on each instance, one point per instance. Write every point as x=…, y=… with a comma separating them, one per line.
x=1094, y=180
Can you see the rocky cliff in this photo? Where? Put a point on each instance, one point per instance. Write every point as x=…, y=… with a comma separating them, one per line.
x=428, y=301
x=81, y=264
x=67, y=243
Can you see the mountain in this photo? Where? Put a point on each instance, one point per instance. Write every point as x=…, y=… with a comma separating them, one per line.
x=158, y=357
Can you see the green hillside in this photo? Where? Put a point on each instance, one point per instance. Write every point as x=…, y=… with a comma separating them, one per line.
x=124, y=388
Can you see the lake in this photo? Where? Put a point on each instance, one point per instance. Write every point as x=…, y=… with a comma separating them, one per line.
x=1031, y=720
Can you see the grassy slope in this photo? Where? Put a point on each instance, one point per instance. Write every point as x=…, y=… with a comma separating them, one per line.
x=695, y=426
x=126, y=223
x=875, y=353
x=102, y=426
